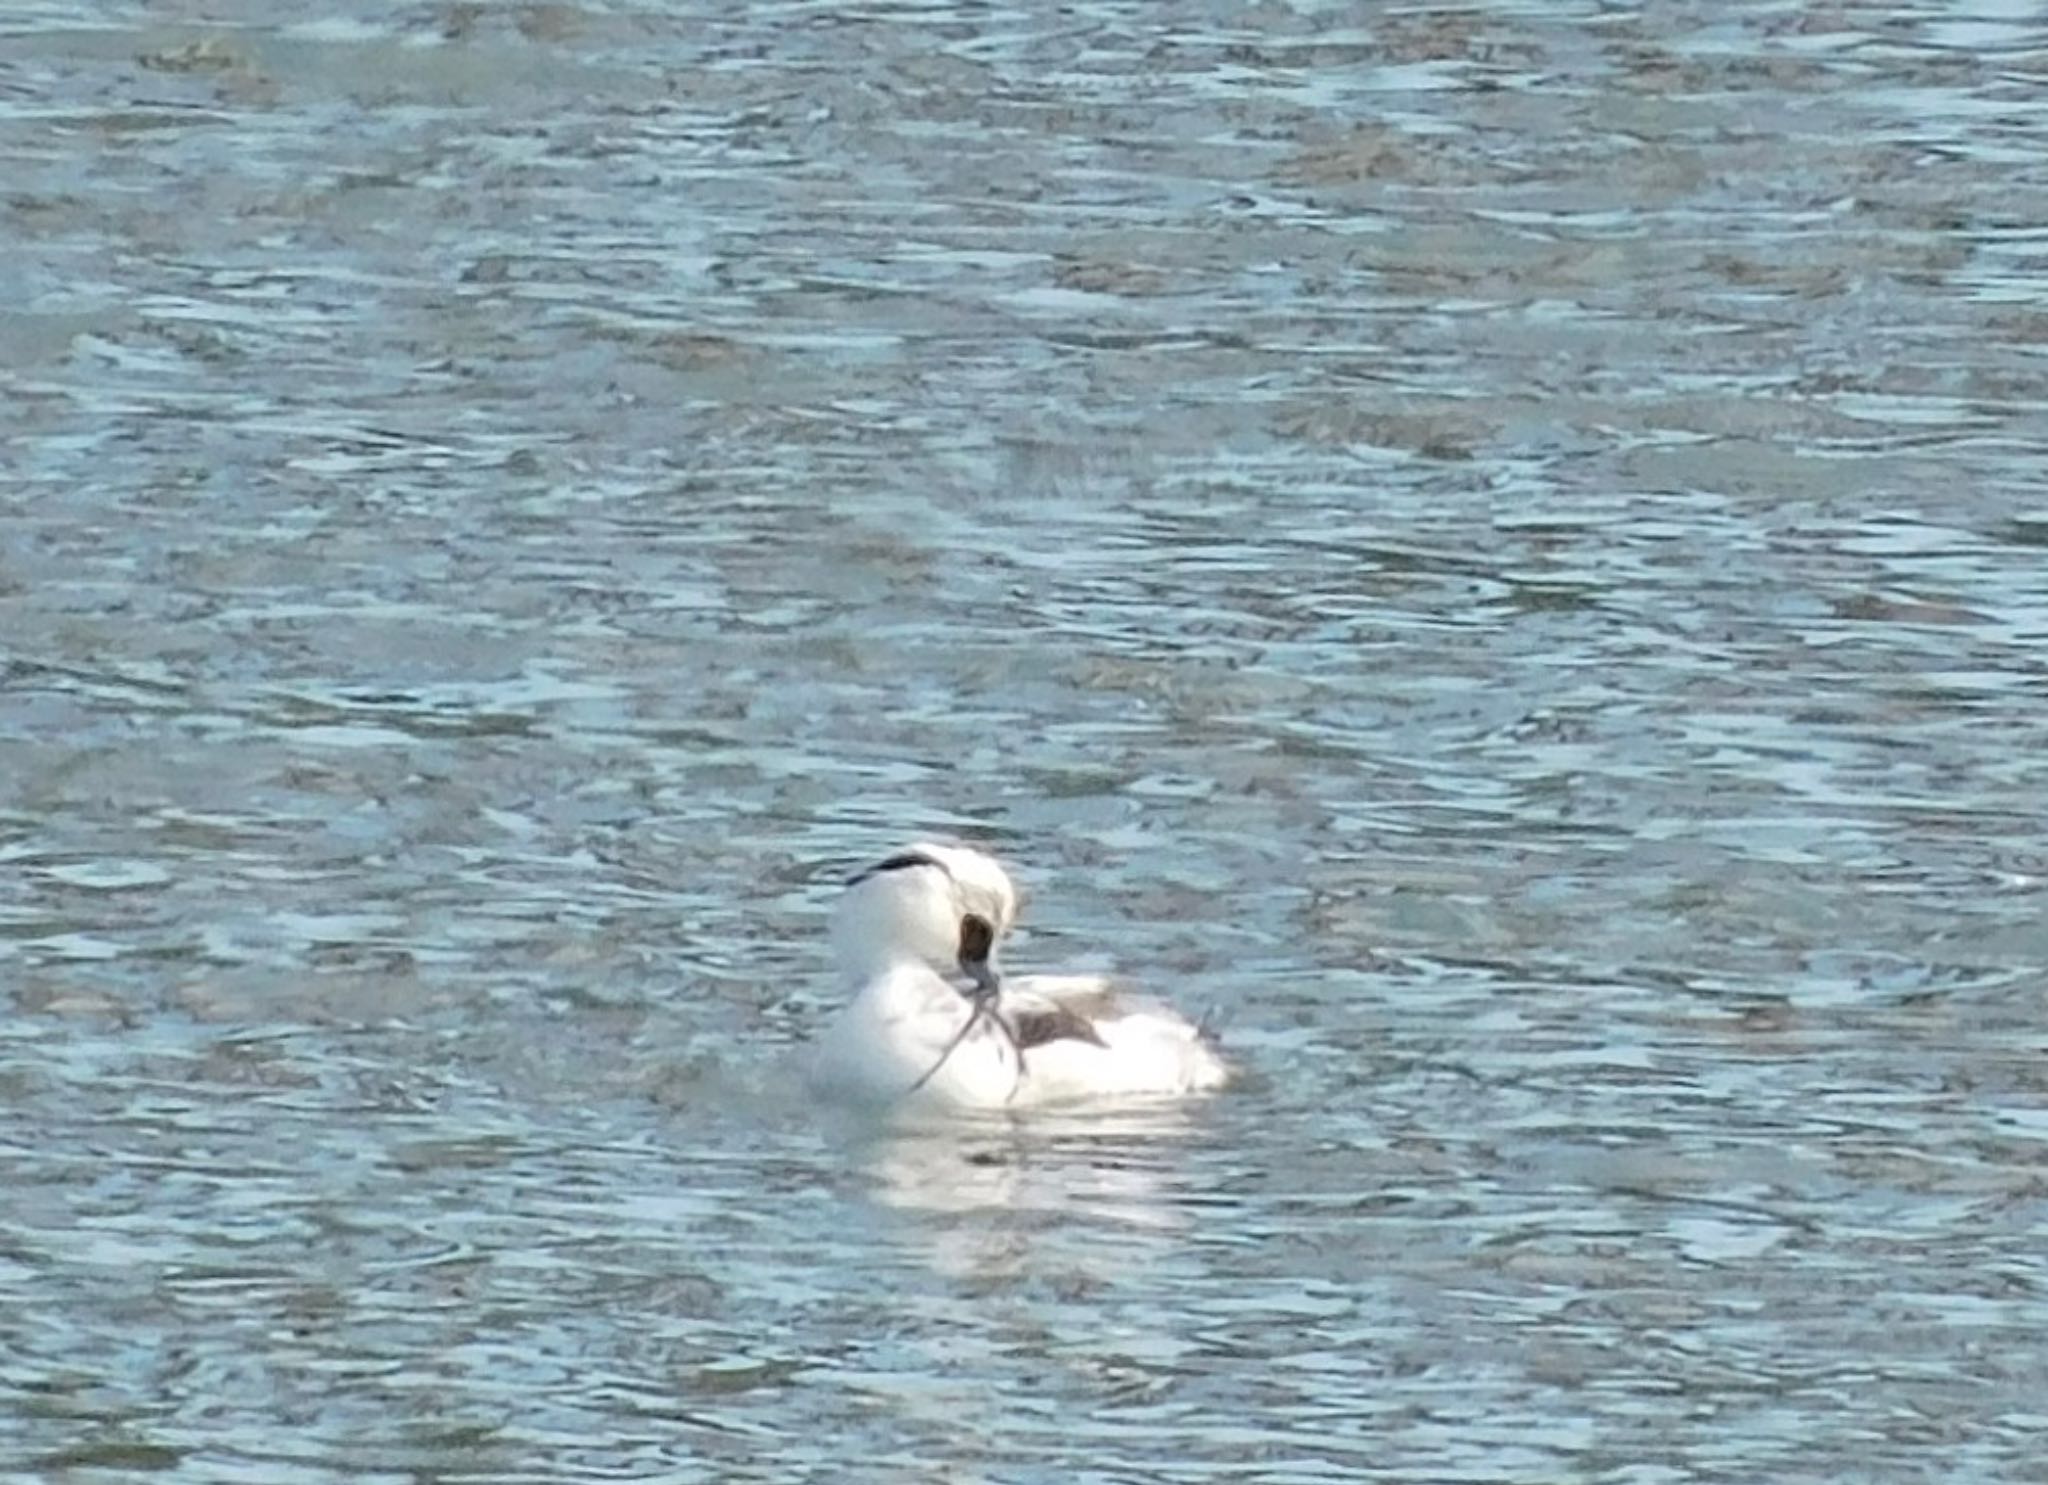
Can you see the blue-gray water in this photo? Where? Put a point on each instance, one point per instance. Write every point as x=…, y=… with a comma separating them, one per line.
x=1502, y=548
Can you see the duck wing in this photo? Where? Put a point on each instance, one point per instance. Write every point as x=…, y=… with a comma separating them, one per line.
x=1050, y=1008
x=1035, y=1025
x=1084, y=1036
x=1092, y=996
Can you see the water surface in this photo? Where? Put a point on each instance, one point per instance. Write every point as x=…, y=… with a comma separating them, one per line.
x=1502, y=548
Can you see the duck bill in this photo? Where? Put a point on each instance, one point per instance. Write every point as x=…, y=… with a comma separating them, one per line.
x=987, y=983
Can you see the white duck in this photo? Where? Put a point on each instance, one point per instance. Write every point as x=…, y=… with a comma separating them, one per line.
x=932, y=1020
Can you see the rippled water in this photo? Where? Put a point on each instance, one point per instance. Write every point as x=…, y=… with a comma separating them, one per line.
x=1503, y=548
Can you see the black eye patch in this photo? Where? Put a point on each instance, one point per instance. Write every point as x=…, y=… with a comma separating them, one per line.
x=901, y=861
x=977, y=937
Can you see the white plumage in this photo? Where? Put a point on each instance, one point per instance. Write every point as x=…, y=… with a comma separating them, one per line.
x=932, y=1020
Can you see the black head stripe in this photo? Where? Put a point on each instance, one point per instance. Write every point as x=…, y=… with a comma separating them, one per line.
x=901, y=861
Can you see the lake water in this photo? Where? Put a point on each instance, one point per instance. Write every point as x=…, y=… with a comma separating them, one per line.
x=1503, y=549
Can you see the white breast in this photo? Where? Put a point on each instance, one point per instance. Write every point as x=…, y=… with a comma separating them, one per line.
x=891, y=1043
